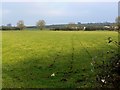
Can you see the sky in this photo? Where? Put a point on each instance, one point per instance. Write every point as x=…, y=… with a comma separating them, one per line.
x=58, y=12
x=60, y=0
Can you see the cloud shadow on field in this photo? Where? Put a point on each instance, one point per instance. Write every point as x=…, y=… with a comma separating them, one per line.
x=36, y=72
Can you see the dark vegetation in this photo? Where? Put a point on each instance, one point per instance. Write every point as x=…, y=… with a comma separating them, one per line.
x=9, y=28
x=108, y=70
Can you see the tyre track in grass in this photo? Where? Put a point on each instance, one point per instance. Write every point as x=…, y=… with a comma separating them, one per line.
x=59, y=55
x=82, y=73
x=55, y=57
x=64, y=75
x=87, y=78
x=71, y=72
x=67, y=74
x=72, y=55
x=86, y=50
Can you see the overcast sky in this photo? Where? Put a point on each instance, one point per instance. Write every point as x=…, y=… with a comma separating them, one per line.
x=60, y=0
x=58, y=12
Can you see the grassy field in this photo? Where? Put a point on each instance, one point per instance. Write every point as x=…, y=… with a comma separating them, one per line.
x=52, y=59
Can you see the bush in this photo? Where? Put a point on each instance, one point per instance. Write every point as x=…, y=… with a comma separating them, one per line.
x=108, y=71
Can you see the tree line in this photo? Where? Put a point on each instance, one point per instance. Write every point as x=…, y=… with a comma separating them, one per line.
x=40, y=24
x=21, y=26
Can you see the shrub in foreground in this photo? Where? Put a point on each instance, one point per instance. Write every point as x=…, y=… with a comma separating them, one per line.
x=108, y=70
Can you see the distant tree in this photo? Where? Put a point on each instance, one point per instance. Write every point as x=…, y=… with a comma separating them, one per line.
x=9, y=25
x=118, y=22
x=40, y=24
x=79, y=22
x=72, y=26
x=20, y=24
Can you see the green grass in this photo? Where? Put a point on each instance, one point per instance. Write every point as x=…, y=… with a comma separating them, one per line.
x=30, y=57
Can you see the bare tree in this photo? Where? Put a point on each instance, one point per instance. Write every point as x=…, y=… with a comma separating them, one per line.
x=41, y=24
x=20, y=24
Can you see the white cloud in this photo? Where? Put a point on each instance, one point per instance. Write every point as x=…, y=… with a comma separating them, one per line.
x=60, y=0
x=48, y=13
x=43, y=9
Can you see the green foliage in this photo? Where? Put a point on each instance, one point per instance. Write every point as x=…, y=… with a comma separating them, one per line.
x=108, y=67
x=51, y=59
x=4, y=28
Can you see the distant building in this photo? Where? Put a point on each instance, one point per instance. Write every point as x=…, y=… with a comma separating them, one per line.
x=108, y=27
x=74, y=27
x=84, y=28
